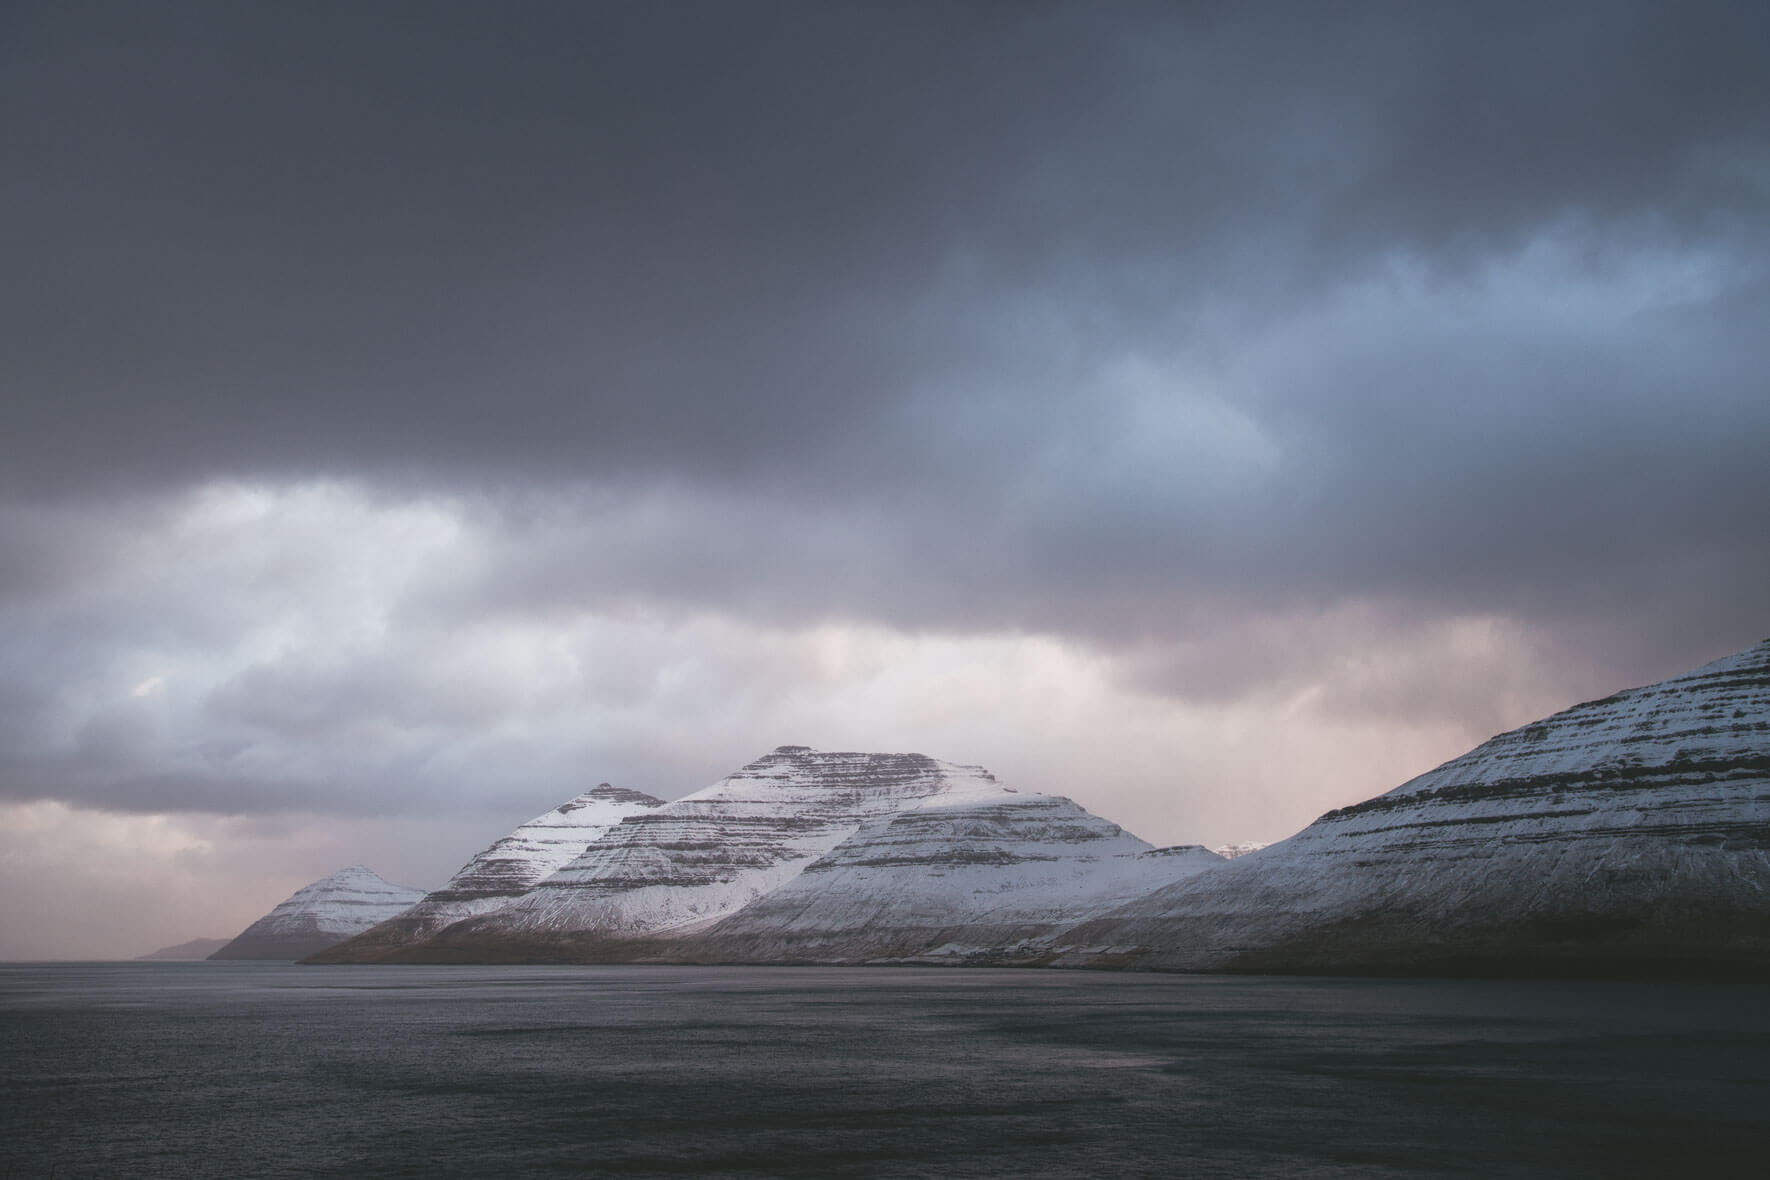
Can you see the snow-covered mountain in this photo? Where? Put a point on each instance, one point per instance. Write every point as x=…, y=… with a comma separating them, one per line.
x=695, y=860
x=502, y=873
x=318, y=915
x=964, y=877
x=1629, y=833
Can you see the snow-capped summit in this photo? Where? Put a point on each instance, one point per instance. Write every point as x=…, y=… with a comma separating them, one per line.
x=505, y=871
x=318, y=915
x=542, y=846
x=1629, y=833
x=706, y=855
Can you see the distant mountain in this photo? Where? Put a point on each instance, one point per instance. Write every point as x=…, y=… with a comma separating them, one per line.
x=1629, y=834
x=961, y=878
x=693, y=861
x=1231, y=851
x=502, y=873
x=806, y=856
x=1626, y=835
x=325, y=912
x=196, y=948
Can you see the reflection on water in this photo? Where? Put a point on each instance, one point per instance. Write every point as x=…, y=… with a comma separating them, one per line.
x=246, y=1069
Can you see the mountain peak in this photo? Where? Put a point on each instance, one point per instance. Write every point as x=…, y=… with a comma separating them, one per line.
x=505, y=871
x=710, y=853
x=604, y=792
x=320, y=914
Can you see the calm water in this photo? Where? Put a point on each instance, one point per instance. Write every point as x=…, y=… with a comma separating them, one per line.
x=243, y=1069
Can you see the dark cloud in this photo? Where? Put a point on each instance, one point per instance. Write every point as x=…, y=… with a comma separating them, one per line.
x=701, y=238
x=1159, y=328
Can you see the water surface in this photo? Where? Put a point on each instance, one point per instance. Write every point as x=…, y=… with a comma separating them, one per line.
x=251, y=1069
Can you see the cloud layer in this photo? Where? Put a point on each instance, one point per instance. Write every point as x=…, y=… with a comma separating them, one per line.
x=416, y=409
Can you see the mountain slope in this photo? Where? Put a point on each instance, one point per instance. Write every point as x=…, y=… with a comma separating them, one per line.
x=702, y=857
x=196, y=948
x=318, y=915
x=1625, y=834
x=956, y=878
x=502, y=873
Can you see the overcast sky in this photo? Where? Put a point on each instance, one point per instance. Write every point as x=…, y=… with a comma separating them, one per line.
x=414, y=414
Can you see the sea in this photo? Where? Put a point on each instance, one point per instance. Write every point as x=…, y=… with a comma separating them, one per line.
x=276, y=1070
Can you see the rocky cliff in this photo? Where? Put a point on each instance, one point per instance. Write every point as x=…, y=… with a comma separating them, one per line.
x=1629, y=834
x=502, y=873
x=326, y=912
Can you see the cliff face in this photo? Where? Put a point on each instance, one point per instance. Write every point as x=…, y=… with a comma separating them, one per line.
x=957, y=878
x=321, y=914
x=702, y=857
x=500, y=874
x=1629, y=833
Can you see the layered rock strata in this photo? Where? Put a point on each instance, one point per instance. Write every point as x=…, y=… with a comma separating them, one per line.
x=1624, y=835
x=689, y=863
x=502, y=873
x=955, y=879
x=319, y=915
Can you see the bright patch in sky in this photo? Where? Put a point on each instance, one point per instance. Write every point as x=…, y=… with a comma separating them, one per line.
x=1215, y=416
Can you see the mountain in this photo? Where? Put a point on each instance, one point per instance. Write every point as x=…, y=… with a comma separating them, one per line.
x=1624, y=835
x=960, y=878
x=318, y=915
x=196, y=948
x=502, y=873
x=684, y=865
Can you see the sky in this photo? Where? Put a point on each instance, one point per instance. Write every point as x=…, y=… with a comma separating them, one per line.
x=414, y=414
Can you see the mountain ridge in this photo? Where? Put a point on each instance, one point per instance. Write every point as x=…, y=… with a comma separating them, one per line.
x=504, y=871
x=964, y=879
x=1627, y=834
x=697, y=859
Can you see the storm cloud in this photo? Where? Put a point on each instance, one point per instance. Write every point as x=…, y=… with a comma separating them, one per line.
x=426, y=408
